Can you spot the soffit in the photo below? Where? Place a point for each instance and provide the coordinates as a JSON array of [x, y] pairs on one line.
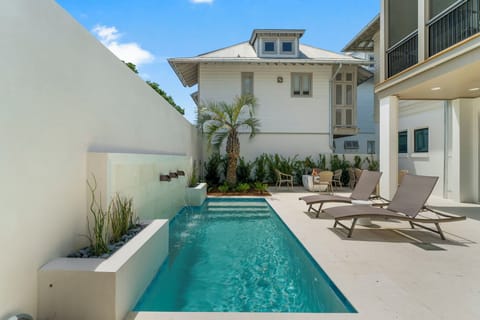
[[363, 41]]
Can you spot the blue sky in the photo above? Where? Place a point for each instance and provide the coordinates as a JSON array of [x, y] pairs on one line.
[[147, 32]]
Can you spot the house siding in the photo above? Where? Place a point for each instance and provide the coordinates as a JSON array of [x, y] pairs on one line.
[[289, 125]]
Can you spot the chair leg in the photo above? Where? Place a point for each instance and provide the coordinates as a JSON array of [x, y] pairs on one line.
[[352, 227], [319, 210]]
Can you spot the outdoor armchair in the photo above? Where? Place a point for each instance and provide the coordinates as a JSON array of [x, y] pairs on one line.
[[283, 178]]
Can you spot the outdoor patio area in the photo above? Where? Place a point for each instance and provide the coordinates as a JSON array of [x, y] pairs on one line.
[[387, 271], [391, 271]]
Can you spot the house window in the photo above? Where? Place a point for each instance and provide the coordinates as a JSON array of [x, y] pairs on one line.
[[247, 83], [403, 142], [420, 140], [350, 144], [344, 98], [269, 47], [371, 146], [301, 84], [287, 46]]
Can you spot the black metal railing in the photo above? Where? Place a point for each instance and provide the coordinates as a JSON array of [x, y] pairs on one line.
[[403, 54], [453, 25]]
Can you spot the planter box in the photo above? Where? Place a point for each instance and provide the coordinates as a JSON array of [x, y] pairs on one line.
[[197, 195], [103, 289]]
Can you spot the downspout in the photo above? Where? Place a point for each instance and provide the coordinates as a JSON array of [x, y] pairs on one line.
[[330, 105]]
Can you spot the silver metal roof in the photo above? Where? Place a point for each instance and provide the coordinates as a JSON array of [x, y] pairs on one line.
[[187, 68], [363, 41]]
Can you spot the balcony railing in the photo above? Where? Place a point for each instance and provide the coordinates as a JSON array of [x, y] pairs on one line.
[[453, 25], [403, 54]]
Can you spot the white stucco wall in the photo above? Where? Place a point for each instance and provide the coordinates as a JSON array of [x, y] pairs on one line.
[[424, 114], [63, 94], [289, 125]]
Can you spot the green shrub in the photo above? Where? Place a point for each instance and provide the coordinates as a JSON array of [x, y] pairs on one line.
[[243, 187], [357, 162], [121, 216], [373, 165], [244, 171], [223, 188], [285, 165], [101, 218], [212, 169], [260, 187], [337, 163], [260, 166]]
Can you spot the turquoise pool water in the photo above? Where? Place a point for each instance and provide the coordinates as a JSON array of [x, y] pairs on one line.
[[236, 255]]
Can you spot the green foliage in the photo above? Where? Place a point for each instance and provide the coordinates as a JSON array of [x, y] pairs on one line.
[[337, 163], [260, 187], [373, 165], [101, 218], [132, 66], [244, 171], [212, 169], [121, 216], [243, 187], [357, 162], [221, 120], [260, 168], [285, 165], [322, 162], [155, 86], [193, 178], [223, 188]]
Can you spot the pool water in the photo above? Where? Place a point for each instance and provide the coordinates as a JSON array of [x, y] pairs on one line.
[[232, 255]]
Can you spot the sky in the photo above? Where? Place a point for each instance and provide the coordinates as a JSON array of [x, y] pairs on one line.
[[148, 32]]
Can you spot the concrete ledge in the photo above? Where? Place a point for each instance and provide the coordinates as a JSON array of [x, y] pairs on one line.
[[196, 196], [77, 288]]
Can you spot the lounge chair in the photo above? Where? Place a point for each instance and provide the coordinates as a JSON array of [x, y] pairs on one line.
[[407, 203], [363, 191]]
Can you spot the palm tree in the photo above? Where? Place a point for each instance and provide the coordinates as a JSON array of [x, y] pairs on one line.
[[221, 120]]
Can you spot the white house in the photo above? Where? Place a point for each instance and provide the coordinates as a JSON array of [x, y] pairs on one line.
[[307, 96], [428, 56]]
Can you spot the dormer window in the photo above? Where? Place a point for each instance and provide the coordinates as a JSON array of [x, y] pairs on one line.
[[276, 43], [269, 47], [287, 47]]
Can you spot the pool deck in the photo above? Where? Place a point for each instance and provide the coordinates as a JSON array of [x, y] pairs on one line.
[[387, 271]]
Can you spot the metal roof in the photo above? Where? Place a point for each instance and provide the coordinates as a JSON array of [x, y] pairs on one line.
[[187, 68], [363, 41]]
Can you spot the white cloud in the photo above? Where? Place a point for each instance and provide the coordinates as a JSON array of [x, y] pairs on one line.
[[202, 1], [128, 52]]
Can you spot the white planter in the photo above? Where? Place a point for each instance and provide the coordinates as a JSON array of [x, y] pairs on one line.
[[103, 289], [197, 195]]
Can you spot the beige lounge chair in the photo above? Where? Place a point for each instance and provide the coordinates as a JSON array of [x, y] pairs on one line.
[[407, 203], [363, 191], [337, 178], [283, 178]]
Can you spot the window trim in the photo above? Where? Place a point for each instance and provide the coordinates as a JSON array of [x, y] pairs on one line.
[[406, 137], [343, 107], [243, 75], [371, 142], [275, 46], [354, 145], [415, 131], [286, 53], [310, 80]]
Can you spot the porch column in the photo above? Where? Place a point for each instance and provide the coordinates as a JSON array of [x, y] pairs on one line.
[[388, 146]]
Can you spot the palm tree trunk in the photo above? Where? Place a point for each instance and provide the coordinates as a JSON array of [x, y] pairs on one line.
[[233, 153]]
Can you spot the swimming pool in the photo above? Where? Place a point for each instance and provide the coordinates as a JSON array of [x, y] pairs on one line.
[[236, 255]]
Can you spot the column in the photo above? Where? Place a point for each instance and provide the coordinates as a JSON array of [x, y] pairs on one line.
[[388, 146]]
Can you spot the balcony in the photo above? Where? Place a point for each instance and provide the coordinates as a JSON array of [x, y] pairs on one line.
[[455, 24], [403, 54]]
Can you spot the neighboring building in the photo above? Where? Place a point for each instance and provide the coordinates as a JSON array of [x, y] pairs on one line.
[[366, 140], [306, 95], [428, 87]]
